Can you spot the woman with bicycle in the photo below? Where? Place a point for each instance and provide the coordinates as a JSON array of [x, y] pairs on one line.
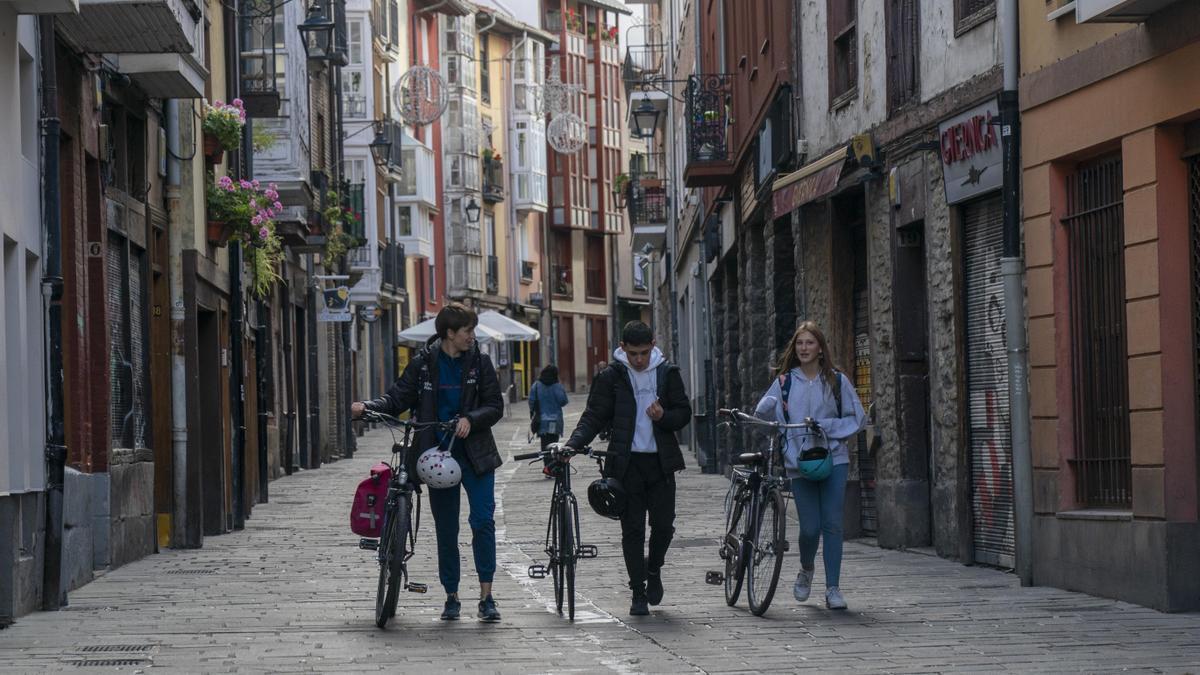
[[451, 379], [546, 400], [809, 387]]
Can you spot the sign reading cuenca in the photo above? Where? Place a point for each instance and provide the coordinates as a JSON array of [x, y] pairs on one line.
[[971, 154]]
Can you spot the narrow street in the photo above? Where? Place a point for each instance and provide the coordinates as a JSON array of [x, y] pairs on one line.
[[292, 593]]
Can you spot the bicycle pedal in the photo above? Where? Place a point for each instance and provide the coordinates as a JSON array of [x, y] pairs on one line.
[[721, 552], [538, 571], [587, 551], [414, 587], [368, 544], [714, 577]]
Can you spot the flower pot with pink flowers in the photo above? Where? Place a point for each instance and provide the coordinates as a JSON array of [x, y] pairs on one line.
[[222, 126]]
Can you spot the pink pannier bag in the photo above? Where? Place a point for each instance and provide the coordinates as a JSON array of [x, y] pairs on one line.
[[366, 517]]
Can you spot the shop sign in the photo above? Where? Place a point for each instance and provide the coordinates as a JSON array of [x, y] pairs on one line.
[[969, 146]]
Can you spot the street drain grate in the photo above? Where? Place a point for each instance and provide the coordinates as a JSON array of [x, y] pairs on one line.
[[115, 648], [206, 571], [93, 663]]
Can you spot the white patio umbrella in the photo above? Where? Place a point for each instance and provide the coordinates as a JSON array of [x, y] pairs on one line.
[[420, 333], [514, 331]]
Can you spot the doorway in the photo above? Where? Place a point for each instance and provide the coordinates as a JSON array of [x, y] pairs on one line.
[[912, 371]]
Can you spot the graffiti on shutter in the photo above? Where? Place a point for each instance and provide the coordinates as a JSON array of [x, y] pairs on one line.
[[987, 385]]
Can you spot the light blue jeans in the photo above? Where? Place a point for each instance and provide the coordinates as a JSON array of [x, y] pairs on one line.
[[820, 507]]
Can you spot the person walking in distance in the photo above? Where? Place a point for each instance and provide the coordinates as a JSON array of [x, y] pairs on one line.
[[546, 400], [641, 396], [808, 386], [448, 379]]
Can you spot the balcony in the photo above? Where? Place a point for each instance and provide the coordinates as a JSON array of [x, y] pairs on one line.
[[493, 274], [44, 6], [708, 100], [360, 258], [1117, 11], [493, 180], [400, 141], [355, 106], [417, 182], [391, 262], [561, 281], [135, 26], [527, 271]]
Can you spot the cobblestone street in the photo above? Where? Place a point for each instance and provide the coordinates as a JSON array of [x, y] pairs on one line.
[[292, 593]]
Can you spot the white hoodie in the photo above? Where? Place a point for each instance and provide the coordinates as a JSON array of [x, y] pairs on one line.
[[645, 392]]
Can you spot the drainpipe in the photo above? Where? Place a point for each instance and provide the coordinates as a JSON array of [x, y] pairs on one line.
[[237, 304], [1012, 268], [175, 245], [54, 592]]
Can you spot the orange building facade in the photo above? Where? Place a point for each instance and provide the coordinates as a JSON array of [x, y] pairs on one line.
[[1111, 202]]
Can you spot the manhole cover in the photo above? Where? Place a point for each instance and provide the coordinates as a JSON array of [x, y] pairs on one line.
[[93, 663], [115, 648]]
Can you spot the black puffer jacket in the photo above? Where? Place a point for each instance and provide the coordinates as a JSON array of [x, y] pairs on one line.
[[482, 403], [612, 401]]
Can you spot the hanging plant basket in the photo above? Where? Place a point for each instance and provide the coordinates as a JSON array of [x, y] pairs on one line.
[[218, 232], [213, 152]]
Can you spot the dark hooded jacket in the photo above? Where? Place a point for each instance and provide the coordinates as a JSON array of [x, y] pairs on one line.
[[612, 402], [482, 403]]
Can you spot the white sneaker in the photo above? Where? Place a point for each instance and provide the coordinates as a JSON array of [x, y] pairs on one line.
[[803, 586], [834, 599]]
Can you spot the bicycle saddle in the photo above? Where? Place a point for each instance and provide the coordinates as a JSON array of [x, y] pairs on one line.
[[749, 458]]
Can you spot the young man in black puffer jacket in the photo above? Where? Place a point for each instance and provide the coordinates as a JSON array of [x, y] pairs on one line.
[[640, 395], [450, 378]]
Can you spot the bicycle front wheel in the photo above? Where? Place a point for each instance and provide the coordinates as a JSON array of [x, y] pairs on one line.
[[731, 549], [766, 553], [391, 563], [566, 550], [555, 552]]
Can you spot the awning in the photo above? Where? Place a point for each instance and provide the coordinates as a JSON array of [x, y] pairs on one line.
[[419, 334], [811, 181], [511, 330]]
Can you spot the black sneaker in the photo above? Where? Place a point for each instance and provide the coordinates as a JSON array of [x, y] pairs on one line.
[[638, 607], [488, 611], [654, 588], [452, 609]]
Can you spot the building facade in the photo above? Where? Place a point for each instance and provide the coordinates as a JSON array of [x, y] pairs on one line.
[[1111, 216]]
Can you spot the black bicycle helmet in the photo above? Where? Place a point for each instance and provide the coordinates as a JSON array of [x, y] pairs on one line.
[[607, 497]]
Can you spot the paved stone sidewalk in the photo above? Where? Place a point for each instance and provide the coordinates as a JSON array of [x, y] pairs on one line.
[[291, 593]]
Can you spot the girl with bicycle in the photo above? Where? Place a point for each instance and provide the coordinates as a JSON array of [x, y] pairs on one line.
[[546, 400], [808, 386]]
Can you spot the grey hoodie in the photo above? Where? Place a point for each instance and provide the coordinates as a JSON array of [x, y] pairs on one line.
[[645, 392]]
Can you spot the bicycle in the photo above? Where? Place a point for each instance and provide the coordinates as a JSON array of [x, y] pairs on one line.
[[562, 529], [755, 521], [401, 520]]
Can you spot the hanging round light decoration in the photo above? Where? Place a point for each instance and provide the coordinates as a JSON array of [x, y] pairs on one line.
[[420, 95], [567, 133]]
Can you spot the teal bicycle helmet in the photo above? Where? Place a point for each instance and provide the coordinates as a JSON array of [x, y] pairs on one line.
[[815, 464]]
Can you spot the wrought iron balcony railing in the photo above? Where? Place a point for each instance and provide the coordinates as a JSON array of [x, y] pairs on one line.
[[493, 180], [561, 280], [708, 106], [648, 201], [493, 274]]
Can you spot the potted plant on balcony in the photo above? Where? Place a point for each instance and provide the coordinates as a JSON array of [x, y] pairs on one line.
[[223, 123], [244, 211], [574, 21], [342, 223]]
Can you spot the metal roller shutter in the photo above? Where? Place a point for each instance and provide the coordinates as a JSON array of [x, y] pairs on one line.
[[987, 385]]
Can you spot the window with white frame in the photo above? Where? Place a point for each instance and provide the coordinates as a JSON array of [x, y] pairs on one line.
[[356, 43], [404, 221]]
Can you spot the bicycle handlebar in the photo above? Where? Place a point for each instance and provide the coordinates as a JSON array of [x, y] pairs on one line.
[[376, 416], [739, 417], [557, 450]]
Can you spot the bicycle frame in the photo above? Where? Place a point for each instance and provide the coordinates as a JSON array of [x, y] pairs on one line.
[[752, 494], [562, 544]]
